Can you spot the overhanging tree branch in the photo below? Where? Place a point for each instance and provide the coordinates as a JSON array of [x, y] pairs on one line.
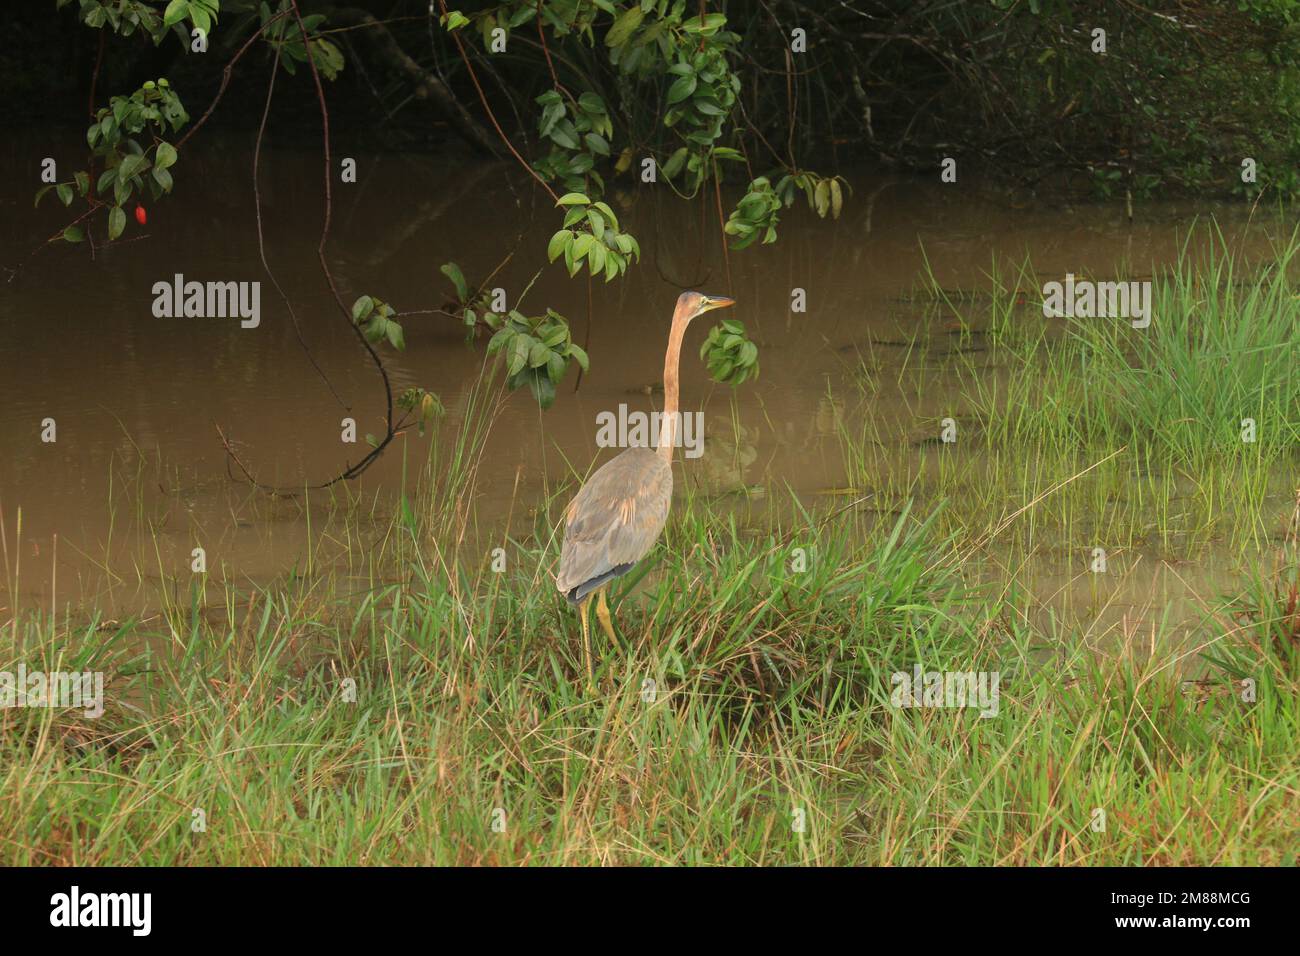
[[427, 86]]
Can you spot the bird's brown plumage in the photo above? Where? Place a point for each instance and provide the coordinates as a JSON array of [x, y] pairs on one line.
[[617, 516], [614, 520]]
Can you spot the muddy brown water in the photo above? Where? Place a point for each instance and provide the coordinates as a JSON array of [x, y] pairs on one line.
[[136, 399]]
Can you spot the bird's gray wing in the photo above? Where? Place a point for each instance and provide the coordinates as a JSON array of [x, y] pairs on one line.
[[615, 519]]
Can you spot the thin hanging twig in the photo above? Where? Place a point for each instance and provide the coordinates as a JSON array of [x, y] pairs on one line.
[[261, 241], [460, 48], [392, 430]]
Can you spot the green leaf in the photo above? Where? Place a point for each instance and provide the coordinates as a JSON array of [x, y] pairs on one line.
[[570, 262], [522, 15], [83, 182], [683, 87], [328, 57], [395, 337], [607, 213], [452, 272], [710, 25], [165, 156], [40, 194], [116, 222], [130, 165], [538, 354], [555, 248], [580, 355], [73, 234], [518, 355], [552, 114], [362, 308], [675, 162], [162, 178], [176, 11], [65, 193], [555, 366], [564, 134], [573, 199], [543, 390], [624, 26]]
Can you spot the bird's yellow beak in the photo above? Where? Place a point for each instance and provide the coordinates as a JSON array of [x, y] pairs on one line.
[[712, 302]]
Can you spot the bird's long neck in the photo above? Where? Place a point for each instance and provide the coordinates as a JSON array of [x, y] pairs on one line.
[[672, 359]]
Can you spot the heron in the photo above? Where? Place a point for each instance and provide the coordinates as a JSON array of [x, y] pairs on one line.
[[616, 517]]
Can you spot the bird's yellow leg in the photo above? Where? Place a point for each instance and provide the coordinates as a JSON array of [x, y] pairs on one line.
[[586, 637], [602, 612]]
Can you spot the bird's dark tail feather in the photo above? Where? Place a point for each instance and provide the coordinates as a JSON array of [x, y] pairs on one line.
[[577, 595]]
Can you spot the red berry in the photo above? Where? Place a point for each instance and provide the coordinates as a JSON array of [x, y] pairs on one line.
[[140, 215]]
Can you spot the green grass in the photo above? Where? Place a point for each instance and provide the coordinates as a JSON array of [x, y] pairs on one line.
[[1124, 438], [771, 695]]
